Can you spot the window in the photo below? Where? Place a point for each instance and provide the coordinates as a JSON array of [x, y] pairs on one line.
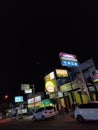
[[89, 105]]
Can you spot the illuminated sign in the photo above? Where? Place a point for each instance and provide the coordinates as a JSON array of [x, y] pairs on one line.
[[47, 102], [68, 59], [65, 87], [50, 86], [28, 90], [19, 99], [49, 76], [61, 73], [69, 63], [95, 78], [69, 86], [25, 86], [36, 99]]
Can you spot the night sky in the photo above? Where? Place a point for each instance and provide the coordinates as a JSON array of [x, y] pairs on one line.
[[32, 36]]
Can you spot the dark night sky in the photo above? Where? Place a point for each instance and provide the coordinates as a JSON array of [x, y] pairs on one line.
[[33, 35]]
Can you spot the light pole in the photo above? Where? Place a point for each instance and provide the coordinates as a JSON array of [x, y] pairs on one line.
[[33, 94]]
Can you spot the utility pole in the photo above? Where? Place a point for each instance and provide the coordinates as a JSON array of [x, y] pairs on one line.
[[84, 83], [33, 94], [70, 80]]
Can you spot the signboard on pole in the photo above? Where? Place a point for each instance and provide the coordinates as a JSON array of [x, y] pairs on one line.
[[25, 86], [68, 59]]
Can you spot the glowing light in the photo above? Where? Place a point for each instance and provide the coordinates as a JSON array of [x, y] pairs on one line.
[[6, 96]]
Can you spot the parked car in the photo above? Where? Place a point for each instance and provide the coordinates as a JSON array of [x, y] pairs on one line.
[[86, 112], [44, 113]]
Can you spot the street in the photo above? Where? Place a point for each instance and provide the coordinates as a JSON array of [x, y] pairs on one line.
[[51, 124]]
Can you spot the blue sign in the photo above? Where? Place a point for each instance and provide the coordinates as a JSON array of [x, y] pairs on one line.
[[68, 59], [19, 99], [69, 63]]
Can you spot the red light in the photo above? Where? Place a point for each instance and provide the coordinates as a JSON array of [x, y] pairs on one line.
[[6, 96]]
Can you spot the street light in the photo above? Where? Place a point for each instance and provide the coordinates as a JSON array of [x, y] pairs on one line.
[[6, 97]]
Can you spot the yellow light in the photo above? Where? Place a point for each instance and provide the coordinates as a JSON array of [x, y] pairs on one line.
[[50, 86]]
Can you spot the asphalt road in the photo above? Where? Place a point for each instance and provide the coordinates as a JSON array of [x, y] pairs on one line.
[[58, 123]]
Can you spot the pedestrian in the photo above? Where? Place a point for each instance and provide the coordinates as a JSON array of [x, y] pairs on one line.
[[63, 111]]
